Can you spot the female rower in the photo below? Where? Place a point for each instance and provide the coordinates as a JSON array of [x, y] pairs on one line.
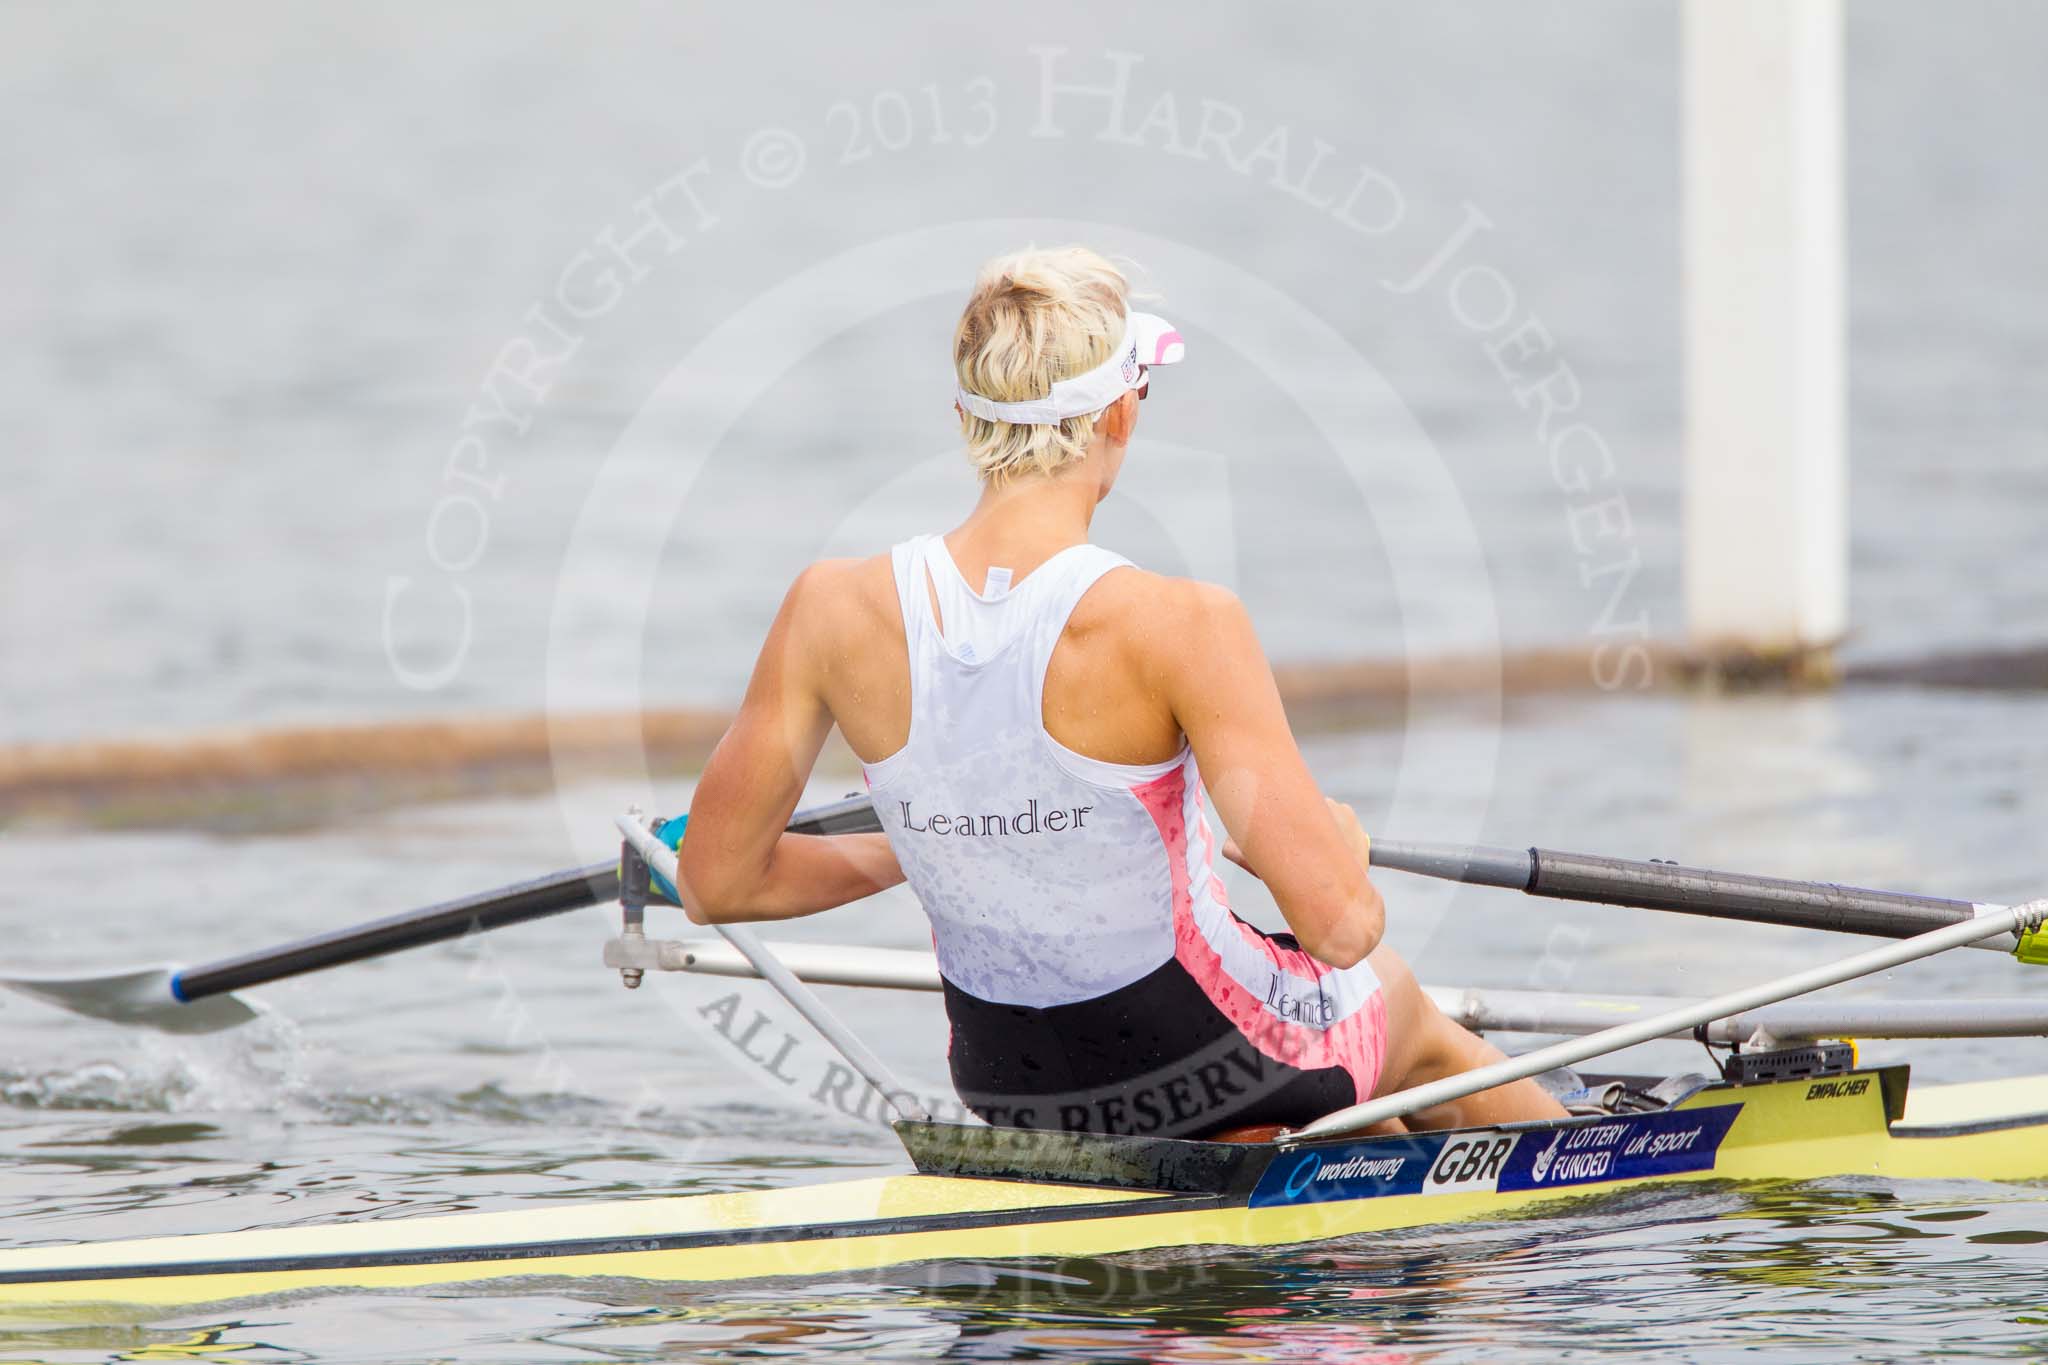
[[1043, 726]]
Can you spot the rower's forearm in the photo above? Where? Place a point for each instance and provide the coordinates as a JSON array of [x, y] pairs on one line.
[[803, 874], [1348, 933]]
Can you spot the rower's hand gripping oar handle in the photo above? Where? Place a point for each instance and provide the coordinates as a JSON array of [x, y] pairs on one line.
[[853, 814]]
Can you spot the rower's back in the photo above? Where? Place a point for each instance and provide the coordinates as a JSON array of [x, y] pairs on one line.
[[993, 820], [1095, 976]]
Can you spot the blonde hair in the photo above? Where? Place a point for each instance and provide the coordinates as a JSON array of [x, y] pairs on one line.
[[1036, 316]]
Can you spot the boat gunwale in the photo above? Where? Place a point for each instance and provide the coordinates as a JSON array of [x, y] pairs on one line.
[[895, 1225]]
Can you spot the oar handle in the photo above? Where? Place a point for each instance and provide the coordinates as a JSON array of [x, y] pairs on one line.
[[1473, 864], [555, 894]]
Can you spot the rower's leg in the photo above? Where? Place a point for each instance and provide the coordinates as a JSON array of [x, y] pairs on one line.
[[1424, 1044]]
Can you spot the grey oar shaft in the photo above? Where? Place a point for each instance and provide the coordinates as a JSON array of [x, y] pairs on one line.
[[872, 1069], [1573, 1051], [1649, 885]]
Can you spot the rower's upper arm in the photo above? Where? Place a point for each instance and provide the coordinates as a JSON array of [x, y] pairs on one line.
[[756, 775], [1210, 667]]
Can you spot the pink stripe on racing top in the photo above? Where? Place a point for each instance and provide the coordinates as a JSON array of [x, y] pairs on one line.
[[1356, 1042]]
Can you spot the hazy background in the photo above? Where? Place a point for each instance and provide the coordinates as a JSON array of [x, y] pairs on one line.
[[256, 266]]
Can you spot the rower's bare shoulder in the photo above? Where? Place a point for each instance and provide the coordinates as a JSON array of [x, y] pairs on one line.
[[1170, 621], [834, 597], [1164, 600], [841, 579]]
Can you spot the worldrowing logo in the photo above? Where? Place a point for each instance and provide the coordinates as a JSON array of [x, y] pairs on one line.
[[1383, 1169]]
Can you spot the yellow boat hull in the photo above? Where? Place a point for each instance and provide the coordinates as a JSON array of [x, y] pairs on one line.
[[1793, 1130]]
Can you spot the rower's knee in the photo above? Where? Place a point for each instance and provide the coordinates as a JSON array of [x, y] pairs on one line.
[[1397, 982], [1423, 1043], [1410, 1011], [1408, 1017]]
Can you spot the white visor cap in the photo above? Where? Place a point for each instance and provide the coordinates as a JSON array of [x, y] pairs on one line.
[[1148, 340]]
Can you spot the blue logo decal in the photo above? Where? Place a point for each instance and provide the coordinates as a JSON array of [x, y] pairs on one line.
[[1352, 1170], [1304, 1171], [1626, 1147], [1621, 1149]]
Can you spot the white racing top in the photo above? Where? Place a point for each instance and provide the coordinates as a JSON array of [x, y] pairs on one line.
[[1051, 877]]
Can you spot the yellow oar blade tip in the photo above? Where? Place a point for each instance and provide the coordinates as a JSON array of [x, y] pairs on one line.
[[2032, 935]]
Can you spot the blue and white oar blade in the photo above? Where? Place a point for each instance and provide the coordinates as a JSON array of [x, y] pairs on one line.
[[140, 995]]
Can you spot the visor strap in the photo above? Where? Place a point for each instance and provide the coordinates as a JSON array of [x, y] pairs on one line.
[[1089, 392]]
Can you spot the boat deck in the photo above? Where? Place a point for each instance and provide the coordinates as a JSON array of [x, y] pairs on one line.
[[1965, 1104]]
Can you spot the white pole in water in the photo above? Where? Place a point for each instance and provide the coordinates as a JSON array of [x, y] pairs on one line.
[[771, 970], [1766, 539], [2015, 919]]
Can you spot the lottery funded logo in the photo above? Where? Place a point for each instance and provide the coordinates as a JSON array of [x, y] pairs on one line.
[[1631, 1148]]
